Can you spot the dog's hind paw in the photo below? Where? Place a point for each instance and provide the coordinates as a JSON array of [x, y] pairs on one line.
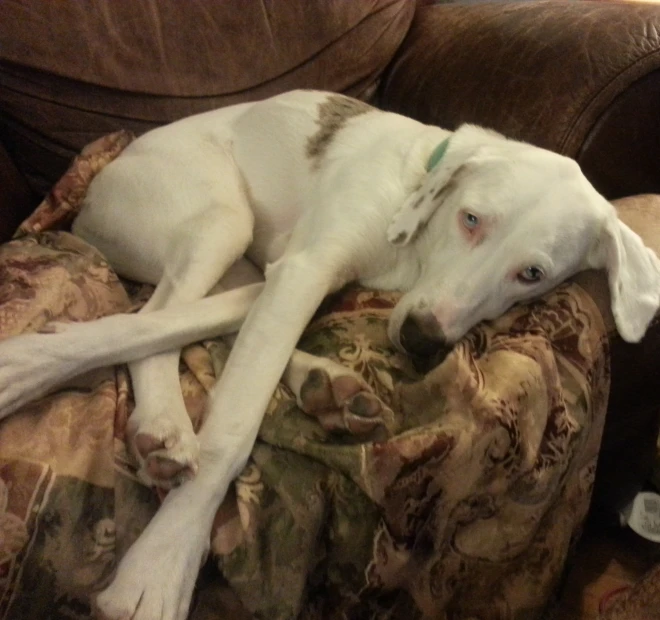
[[341, 402], [167, 454]]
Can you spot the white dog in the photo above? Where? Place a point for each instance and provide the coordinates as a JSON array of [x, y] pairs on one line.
[[316, 190]]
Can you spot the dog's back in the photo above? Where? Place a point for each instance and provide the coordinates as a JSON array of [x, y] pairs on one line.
[[280, 154]]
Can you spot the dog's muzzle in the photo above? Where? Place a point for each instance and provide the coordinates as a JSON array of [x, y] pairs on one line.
[[421, 335]]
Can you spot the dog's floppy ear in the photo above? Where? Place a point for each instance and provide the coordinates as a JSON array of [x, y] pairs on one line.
[[420, 206], [633, 272], [443, 171]]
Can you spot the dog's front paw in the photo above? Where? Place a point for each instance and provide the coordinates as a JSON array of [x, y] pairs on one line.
[[156, 578], [342, 402], [167, 451]]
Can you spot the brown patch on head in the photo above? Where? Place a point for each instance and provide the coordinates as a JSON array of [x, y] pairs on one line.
[[400, 238], [417, 230], [446, 189], [334, 112], [437, 197]]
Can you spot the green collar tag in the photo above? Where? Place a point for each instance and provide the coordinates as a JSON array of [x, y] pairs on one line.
[[437, 155]]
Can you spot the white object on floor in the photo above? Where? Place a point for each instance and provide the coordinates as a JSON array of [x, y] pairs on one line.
[[642, 515]]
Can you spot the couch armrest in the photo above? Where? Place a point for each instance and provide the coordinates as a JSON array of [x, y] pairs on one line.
[[16, 200], [633, 418], [580, 78]]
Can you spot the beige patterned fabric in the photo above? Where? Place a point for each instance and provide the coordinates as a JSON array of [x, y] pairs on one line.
[[463, 503]]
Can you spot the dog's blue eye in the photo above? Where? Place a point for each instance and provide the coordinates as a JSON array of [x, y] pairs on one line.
[[470, 220], [531, 274]]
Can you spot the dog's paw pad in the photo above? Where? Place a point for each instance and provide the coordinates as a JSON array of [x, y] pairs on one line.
[[345, 386], [166, 459], [146, 444], [342, 403], [316, 391], [365, 405], [168, 471]]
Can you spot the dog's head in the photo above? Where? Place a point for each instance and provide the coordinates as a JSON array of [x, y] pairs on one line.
[[497, 222]]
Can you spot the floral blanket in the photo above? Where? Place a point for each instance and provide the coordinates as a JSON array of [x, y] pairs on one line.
[[462, 504]]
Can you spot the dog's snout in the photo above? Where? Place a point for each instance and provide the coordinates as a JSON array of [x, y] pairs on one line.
[[421, 334]]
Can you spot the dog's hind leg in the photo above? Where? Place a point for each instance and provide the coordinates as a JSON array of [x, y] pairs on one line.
[[159, 429]]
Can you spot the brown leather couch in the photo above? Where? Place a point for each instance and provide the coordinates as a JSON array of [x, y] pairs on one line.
[[579, 77]]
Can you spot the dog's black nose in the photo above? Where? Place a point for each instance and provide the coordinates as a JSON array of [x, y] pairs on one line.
[[420, 338]]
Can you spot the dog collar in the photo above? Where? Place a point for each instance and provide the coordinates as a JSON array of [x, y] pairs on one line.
[[437, 155]]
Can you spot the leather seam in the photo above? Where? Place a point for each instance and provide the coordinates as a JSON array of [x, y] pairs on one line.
[[592, 104]]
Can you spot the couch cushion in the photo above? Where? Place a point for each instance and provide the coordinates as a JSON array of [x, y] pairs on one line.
[[71, 72]]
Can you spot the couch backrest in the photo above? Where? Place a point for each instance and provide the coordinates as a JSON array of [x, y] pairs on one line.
[[71, 71]]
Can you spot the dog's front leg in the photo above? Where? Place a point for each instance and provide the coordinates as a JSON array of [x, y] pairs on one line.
[[155, 579]]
